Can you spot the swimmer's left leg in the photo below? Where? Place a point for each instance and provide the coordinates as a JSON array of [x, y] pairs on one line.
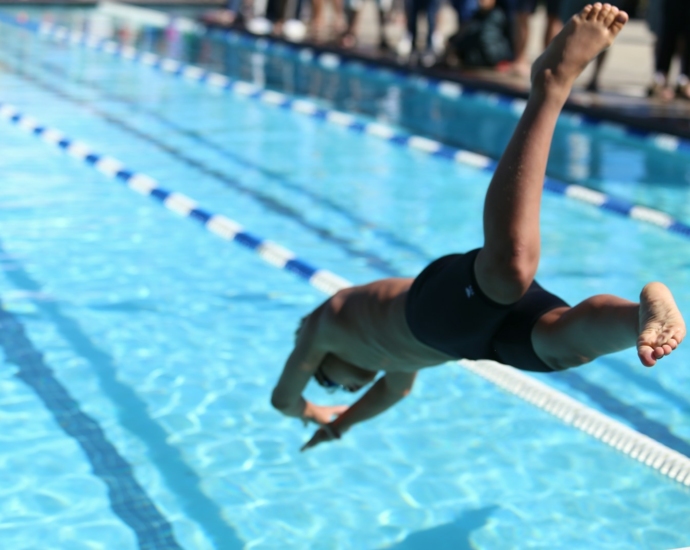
[[569, 337]]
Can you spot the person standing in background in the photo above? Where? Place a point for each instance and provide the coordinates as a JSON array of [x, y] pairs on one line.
[[353, 9], [524, 10], [674, 25], [407, 47]]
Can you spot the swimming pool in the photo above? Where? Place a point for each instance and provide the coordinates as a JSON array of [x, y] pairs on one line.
[[152, 426]]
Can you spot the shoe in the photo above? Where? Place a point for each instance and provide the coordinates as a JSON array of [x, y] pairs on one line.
[[428, 59], [404, 48], [438, 43], [683, 91], [658, 90]]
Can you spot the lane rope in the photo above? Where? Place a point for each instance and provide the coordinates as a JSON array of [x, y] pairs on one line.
[[644, 449], [444, 88], [355, 124]]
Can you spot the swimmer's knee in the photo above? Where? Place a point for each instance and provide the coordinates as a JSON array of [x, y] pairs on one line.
[[556, 354], [507, 276], [553, 344]]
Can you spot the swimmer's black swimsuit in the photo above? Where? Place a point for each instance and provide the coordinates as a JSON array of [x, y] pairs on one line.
[[447, 311]]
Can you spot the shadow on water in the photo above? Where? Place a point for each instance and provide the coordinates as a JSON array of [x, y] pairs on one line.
[[450, 536]]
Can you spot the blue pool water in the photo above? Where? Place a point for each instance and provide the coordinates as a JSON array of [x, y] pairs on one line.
[[140, 350]]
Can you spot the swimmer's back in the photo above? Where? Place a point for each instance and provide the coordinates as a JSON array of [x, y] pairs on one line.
[[370, 329]]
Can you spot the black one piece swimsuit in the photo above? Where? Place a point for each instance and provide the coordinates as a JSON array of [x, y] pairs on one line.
[[447, 311]]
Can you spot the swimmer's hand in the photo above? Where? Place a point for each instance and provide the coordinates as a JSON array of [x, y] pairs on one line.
[[320, 414], [327, 432]]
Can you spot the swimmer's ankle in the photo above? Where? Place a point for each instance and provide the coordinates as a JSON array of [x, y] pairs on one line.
[[547, 89]]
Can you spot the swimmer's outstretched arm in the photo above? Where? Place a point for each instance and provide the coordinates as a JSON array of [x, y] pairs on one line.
[[386, 392], [310, 350]]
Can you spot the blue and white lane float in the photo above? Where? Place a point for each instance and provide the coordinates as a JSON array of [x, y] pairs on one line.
[[615, 434], [444, 88], [221, 82]]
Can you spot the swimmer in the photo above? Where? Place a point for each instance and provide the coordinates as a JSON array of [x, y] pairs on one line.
[[483, 304]]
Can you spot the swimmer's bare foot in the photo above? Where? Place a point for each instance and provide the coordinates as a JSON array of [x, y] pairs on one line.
[[581, 40], [662, 327]]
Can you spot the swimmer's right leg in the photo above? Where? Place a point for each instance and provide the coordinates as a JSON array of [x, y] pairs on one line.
[[569, 337], [506, 265]]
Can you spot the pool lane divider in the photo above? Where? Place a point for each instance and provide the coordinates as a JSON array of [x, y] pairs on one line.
[[355, 124], [444, 88], [226, 228], [619, 436]]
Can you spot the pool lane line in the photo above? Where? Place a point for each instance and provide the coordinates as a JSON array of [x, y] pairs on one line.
[[182, 482], [128, 499], [434, 148], [615, 434]]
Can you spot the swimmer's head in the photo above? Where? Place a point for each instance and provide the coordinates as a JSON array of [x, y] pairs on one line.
[[487, 5], [335, 374]]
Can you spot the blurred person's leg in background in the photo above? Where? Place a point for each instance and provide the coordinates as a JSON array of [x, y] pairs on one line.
[[673, 18], [413, 8], [275, 13], [524, 11], [316, 24], [509, 7], [431, 50], [385, 9], [352, 9], [463, 9], [683, 85]]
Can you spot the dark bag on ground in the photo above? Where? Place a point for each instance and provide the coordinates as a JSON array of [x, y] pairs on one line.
[[483, 40]]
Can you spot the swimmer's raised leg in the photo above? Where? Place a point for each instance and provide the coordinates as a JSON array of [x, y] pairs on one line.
[[506, 265], [568, 337]]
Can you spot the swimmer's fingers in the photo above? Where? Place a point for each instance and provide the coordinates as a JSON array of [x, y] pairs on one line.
[[323, 434], [323, 415]]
